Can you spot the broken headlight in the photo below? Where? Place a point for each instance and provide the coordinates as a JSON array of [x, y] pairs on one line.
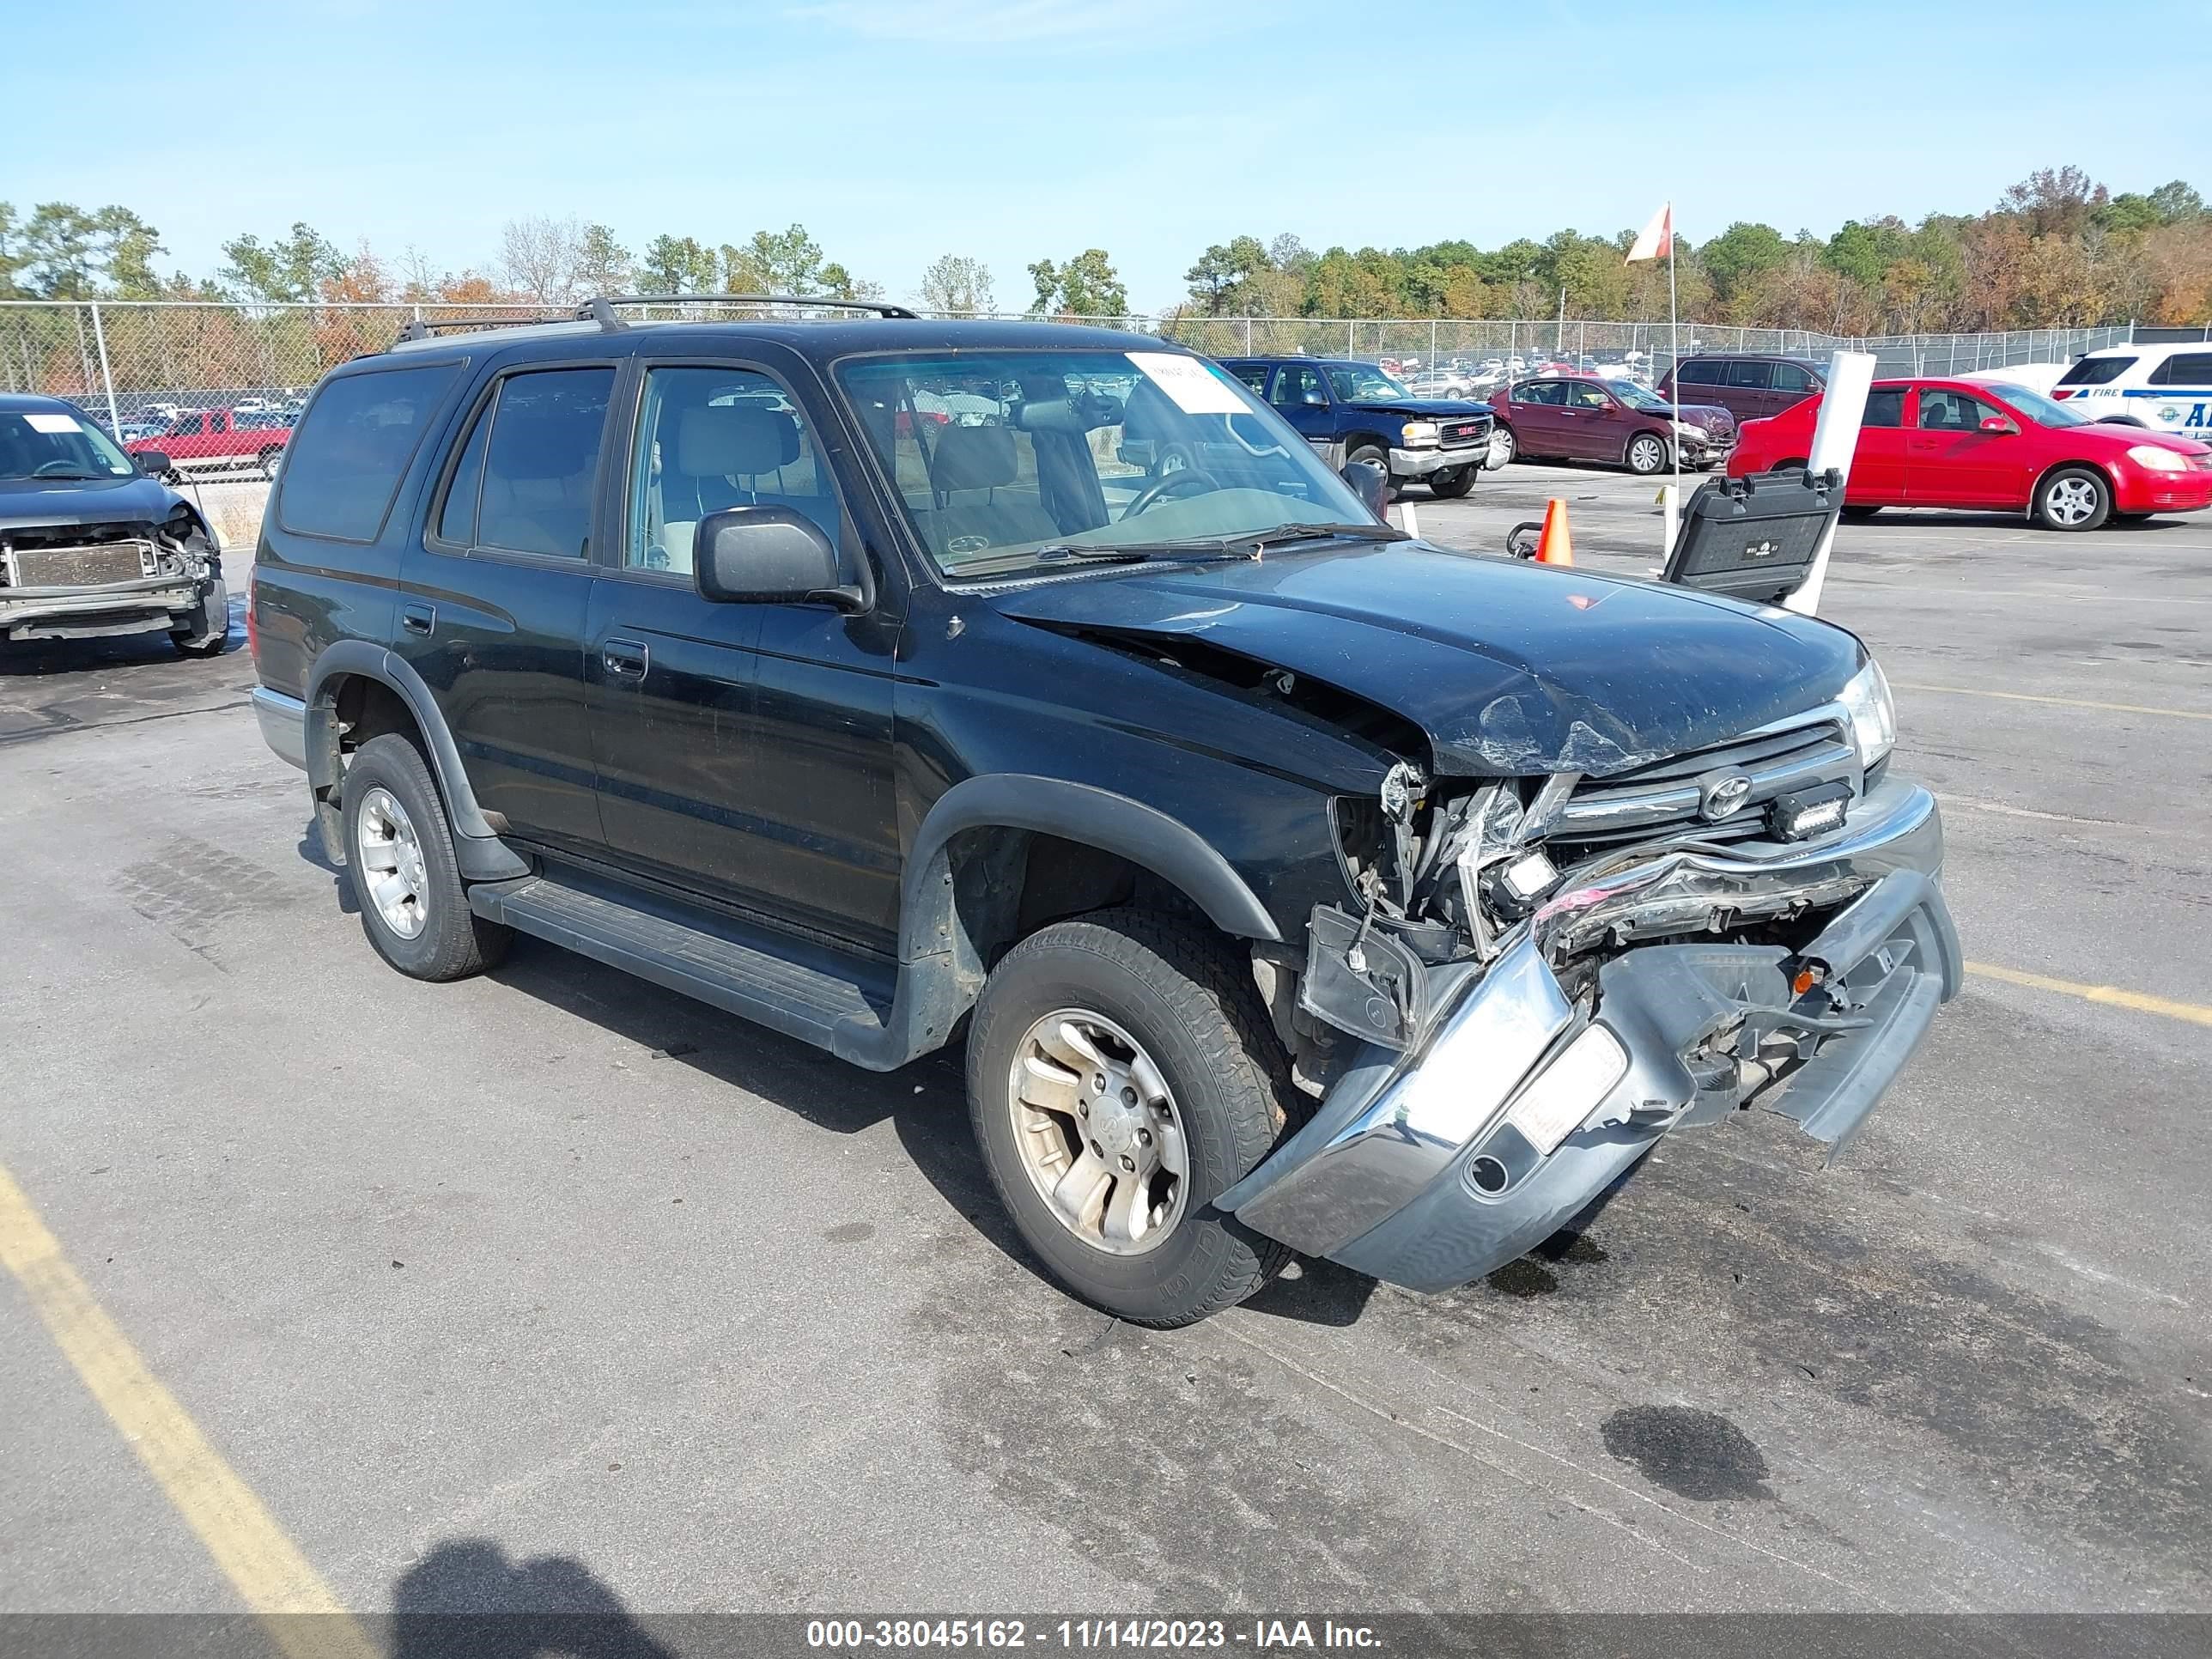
[[1874, 715]]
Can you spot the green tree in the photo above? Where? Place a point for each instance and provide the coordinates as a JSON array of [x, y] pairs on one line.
[[678, 265], [1225, 278], [955, 282], [1086, 286], [292, 269], [603, 266], [1740, 253], [63, 252], [2174, 202]]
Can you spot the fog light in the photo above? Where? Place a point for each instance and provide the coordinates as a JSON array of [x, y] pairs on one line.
[[1569, 1089], [1809, 812], [1527, 877]]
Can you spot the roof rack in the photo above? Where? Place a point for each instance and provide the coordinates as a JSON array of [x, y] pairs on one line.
[[416, 328], [601, 309]]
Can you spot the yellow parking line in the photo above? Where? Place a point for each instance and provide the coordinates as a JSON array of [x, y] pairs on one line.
[[265, 1567], [2067, 702], [2194, 1012]]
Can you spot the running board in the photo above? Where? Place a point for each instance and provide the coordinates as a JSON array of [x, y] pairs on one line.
[[696, 956]]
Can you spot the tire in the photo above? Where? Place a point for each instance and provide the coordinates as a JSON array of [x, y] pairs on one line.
[[2073, 498], [1646, 455], [1380, 458], [271, 459], [1504, 448], [389, 775], [1170, 992], [1859, 514], [211, 632], [1450, 485]]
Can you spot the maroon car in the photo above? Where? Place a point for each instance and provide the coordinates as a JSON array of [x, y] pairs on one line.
[[1752, 385], [1577, 418]]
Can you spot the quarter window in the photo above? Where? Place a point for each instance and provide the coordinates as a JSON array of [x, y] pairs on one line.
[[541, 460], [344, 464], [712, 439], [457, 519]]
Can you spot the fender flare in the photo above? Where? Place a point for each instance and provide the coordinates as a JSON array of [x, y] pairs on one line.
[[477, 846], [1078, 812]]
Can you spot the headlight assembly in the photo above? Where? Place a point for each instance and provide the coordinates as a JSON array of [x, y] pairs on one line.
[[2151, 457], [1873, 715], [1417, 431]]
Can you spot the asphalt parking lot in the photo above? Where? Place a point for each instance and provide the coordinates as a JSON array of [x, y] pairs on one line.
[[550, 1283]]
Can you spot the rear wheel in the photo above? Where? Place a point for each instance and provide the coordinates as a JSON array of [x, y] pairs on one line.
[[1504, 448], [1122, 1076], [1450, 485], [211, 631], [399, 853], [271, 458], [1647, 454], [2073, 498]]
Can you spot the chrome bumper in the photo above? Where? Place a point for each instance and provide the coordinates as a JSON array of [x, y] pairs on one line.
[[283, 724], [1413, 1169], [1420, 463]]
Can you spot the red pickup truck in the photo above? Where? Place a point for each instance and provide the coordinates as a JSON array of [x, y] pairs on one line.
[[214, 439]]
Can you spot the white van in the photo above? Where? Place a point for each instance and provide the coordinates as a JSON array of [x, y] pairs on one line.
[[2167, 388]]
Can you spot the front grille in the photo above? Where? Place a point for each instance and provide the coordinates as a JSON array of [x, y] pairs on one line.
[[1663, 798], [99, 565], [1456, 434]]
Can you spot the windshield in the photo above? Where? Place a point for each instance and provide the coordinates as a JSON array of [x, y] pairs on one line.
[[2038, 408], [1634, 395], [1356, 383], [52, 443], [1004, 460]]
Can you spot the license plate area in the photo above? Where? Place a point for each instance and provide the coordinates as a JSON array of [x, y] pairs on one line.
[[99, 564]]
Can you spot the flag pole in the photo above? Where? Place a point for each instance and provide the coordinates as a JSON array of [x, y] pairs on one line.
[[1675, 346]]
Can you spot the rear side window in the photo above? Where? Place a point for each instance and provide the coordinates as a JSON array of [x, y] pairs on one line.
[[1252, 374], [2097, 371], [1788, 377], [1751, 376], [1540, 391], [344, 464], [541, 460], [1701, 373], [2183, 368], [1885, 408]]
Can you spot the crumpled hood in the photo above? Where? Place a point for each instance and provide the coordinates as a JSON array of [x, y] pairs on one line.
[[1711, 416], [1509, 668], [28, 503]]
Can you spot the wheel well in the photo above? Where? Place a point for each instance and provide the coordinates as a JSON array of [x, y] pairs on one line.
[[1007, 884], [368, 708], [1358, 440], [2112, 489]]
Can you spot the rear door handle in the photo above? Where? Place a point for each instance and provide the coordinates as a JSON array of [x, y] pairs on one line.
[[625, 659], [418, 618]]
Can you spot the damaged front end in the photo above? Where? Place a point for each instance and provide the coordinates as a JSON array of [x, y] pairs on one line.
[[93, 580], [1544, 976]]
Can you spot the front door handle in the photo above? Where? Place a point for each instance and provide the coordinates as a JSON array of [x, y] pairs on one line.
[[418, 618], [625, 659]]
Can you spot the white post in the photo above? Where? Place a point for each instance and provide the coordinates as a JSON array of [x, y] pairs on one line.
[[1835, 438], [1674, 345], [1670, 521], [106, 379]]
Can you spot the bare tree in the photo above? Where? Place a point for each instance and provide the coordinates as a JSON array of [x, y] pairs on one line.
[[955, 282], [542, 258]]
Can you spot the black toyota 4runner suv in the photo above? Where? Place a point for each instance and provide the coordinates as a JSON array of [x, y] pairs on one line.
[[1294, 886]]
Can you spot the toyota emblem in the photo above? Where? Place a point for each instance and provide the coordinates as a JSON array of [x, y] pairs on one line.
[[1720, 794]]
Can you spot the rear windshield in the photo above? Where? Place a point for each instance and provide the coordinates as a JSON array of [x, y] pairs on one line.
[[344, 465], [2096, 371]]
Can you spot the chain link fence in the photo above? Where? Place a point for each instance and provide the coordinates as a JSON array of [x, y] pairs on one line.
[[137, 365]]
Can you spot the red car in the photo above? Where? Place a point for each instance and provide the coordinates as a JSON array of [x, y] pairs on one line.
[[1578, 417], [1964, 444], [215, 439]]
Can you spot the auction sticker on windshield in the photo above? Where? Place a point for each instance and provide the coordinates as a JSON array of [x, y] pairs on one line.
[[46, 421], [1195, 389]]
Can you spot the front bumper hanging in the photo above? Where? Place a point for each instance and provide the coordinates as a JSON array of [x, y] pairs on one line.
[[1429, 1167]]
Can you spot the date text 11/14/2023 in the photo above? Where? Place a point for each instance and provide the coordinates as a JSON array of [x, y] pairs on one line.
[[995, 1636]]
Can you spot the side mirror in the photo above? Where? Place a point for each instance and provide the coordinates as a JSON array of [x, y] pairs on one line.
[[767, 555], [1314, 400], [1369, 482], [152, 463], [1998, 423]]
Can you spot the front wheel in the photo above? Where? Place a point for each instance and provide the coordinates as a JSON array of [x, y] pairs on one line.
[[1380, 458], [1647, 454], [211, 631], [1450, 485], [2073, 498], [1503, 448], [1122, 1076], [271, 459]]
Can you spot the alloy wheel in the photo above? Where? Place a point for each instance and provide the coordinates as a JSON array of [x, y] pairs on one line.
[[2069, 501], [389, 857], [1098, 1132]]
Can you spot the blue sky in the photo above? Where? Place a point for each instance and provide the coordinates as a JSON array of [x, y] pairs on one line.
[[1011, 130]]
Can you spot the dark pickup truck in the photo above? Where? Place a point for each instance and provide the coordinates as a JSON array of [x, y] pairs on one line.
[[1291, 884], [1353, 411]]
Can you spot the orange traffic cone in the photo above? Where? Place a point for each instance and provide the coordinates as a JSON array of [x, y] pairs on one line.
[[1555, 546]]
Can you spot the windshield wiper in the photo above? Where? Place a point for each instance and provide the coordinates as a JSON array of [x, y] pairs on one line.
[[1138, 552], [62, 478], [1283, 534]]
